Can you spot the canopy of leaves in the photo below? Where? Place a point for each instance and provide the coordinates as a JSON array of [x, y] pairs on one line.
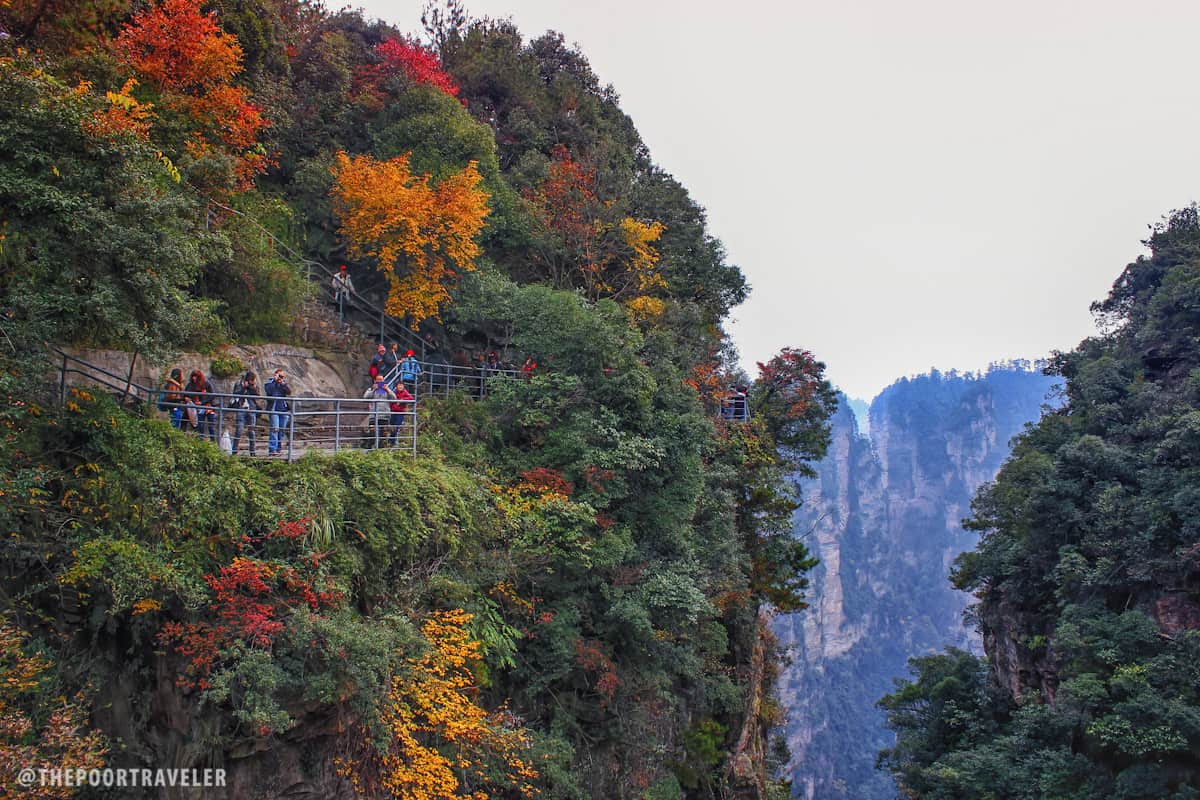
[[65, 181], [421, 236], [1087, 569], [182, 53], [562, 594]]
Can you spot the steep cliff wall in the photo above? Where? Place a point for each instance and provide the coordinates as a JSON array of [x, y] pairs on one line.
[[884, 517]]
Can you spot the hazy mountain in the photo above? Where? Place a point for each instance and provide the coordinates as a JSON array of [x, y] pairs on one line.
[[884, 517]]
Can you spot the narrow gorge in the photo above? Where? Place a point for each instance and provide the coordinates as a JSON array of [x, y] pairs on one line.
[[883, 515]]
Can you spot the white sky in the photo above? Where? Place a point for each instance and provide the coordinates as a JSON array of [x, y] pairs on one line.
[[905, 185]]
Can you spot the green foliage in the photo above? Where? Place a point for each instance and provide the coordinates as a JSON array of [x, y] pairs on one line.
[[260, 288], [100, 246], [588, 517], [226, 366], [1088, 550]]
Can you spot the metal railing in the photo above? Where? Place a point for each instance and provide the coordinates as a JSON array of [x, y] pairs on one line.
[[308, 423], [389, 326], [735, 407], [439, 378], [442, 380]]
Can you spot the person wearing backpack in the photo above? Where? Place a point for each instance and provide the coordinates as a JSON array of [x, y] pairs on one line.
[[410, 372], [246, 404], [277, 391], [171, 397], [376, 366]]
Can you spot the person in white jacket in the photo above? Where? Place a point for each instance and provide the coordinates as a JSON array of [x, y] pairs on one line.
[[380, 410]]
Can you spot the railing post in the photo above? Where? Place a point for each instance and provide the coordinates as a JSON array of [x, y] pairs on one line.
[[337, 425], [375, 416], [292, 427], [220, 421], [413, 405]]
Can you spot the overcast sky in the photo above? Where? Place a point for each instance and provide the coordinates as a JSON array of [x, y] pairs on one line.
[[905, 185]]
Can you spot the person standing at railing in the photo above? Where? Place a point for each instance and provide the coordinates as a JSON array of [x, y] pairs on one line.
[[277, 391], [172, 397], [399, 409], [380, 410], [410, 372], [245, 400], [343, 287], [203, 413], [481, 376], [527, 368], [391, 358], [376, 366]]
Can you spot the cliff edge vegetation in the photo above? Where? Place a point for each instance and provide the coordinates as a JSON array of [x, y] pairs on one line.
[[1087, 575], [563, 594]]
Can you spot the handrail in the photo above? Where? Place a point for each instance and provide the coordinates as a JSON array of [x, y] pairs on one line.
[[389, 326], [328, 423], [446, 378], [396, 328]]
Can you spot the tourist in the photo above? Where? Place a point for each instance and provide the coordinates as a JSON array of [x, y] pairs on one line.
[[202, 410], [398, 408], [343, 287], [391, 359], [410, 372], [245, 400], [277, 391], [376, 367], [380, 409], [171, 399]]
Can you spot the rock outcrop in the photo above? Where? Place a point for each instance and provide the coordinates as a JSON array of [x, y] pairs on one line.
[[310, 374]]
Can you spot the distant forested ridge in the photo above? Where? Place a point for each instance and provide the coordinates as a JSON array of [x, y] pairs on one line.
[[565, 594], [883, 515], [1087, 575]]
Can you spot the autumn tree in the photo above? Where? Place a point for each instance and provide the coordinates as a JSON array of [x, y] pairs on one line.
[[407, 60], [38, 735], [183, 55], [795, 401], [420, 235], [441, 743], [588, 244], [788, 430]]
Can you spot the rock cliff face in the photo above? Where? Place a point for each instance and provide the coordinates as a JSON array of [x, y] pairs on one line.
[[884, 517]]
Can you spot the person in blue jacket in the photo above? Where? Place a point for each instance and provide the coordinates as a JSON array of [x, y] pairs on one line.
[[410, 372], [278, 391]]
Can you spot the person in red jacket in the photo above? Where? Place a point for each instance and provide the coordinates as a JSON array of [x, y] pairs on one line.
[[202, 409], [377, 360], [402, 405]]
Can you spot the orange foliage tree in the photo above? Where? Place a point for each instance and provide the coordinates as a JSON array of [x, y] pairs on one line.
[[61, 743], [420, 235], [441, 743], [588, 245], [182, 52]]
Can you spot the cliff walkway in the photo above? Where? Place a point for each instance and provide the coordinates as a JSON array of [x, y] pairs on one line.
[[322, 424]]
